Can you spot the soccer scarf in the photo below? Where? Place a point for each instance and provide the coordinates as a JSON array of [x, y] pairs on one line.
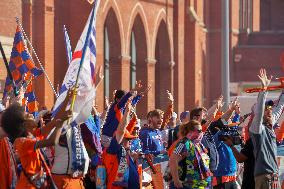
[[122, 175], [79, 160]]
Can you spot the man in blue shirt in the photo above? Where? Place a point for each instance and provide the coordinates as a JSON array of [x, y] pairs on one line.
[[151, 136]]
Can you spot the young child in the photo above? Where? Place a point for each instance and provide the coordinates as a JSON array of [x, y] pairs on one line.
[[22, 130]]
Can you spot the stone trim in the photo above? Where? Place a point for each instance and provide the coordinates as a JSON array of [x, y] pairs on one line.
[[151, 61], [194, 18], [27, 1], [172, 64], [125, 57]]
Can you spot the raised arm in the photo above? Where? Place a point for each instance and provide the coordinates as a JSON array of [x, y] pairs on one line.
[[57, 124], [133, 92], [278, 109], [119, 134], [256, 125], [212, 112], [229, 113], [169, 112], [45, 130]]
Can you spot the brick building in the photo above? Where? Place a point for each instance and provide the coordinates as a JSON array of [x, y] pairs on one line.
[[170, 44]]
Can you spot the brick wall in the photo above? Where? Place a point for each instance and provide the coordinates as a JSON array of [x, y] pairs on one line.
[[185, 59], [8, 11]]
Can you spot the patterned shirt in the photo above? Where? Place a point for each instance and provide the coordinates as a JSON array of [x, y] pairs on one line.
[[194, 167]]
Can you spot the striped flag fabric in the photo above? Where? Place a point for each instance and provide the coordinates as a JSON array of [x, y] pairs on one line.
[[83, 59], [67, 45]]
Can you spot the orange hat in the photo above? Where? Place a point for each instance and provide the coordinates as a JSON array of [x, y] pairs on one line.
[[218, 115], [129, 130], [128, 135], [233, 124]]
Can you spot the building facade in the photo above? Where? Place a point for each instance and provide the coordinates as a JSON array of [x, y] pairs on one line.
[[169, 44]]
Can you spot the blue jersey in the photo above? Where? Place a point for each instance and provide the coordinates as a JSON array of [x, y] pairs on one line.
[[151, 140]]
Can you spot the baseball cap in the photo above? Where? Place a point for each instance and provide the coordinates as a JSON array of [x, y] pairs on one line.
[[183, 115]]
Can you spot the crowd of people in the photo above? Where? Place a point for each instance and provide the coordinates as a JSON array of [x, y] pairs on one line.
[[204, 147]]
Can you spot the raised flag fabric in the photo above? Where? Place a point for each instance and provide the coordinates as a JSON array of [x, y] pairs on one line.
[[83, 62], [67, 45], [31, 102], [20, 63]]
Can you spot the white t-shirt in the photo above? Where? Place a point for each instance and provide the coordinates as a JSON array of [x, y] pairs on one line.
[[63, 157]]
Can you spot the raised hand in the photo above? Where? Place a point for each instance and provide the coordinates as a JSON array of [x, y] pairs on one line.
[[107, 103], [145, 91], [220, 102], [99, 76], [128, 106], [264, 79], [19, 98], [170, 96], [138, 87], [235, 104], [62, 114]]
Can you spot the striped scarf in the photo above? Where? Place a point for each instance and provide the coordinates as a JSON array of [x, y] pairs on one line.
[[122, 176]]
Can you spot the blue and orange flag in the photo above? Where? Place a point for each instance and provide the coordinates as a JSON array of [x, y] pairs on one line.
[[30, 98], [23, 70]]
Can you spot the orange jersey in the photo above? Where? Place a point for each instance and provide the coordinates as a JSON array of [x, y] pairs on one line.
[[30, 160], [5, 165]]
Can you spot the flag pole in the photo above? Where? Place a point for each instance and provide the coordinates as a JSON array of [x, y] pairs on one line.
[[83, 55], [16, 92], [41, 66]]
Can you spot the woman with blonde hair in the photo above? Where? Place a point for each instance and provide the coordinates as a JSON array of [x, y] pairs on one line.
[[189, 162]]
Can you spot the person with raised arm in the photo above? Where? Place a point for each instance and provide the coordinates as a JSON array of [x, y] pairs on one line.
[[120, 167], [264, 138], [22, 130]]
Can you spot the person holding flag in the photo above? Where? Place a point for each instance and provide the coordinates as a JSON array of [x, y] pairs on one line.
[[27, 139], [71, 159]]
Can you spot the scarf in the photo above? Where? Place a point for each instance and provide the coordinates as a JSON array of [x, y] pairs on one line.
[[201, 156], [79, 157], [203, 166], [122, 175]]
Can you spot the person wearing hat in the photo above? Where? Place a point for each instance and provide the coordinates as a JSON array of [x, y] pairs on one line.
[[136, 143], [120, 167], [266, 172]]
